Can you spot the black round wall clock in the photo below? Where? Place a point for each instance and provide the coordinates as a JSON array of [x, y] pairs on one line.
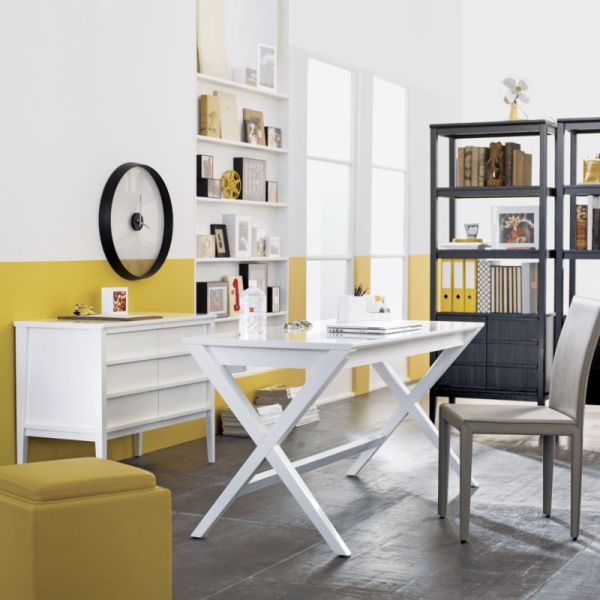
[[136, 221]]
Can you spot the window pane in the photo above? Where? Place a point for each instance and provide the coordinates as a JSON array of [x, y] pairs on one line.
[[389, 124], [387, 279], [387, 212], [329, 110], [325, 281], [327, 208]]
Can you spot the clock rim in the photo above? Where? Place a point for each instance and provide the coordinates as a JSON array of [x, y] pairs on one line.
[[105, 225]]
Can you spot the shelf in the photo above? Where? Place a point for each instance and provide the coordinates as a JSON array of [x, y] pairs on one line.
[[583, 189], [281, 313], [492, 315], [236, 259], [241, 86], [494, 253], [581, 125], [582, 254], [493, 129], [530, 191], [204, 200], [223, 142]]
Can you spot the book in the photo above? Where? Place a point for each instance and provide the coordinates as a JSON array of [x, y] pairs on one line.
[[595, 222], [516, 167], [483, 154], [230, 128], [526, 173], [210, 116], [484, 286], [475, 166], [269, 415], [282, 395], [581, 226], [460, 168], [468, 152], [464, 246], [509, 148]]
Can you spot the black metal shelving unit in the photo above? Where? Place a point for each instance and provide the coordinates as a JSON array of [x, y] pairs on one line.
[[509, 357], [573, 128]]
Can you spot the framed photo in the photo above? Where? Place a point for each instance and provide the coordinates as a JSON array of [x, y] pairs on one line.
[[515, 226], [273, 135], [239, 234], [259, 241], [251, 76], [221, 241], [235, 286], [272, 191], [205, 246], [273, 303], [258, 272], [204, 166], [254, 126], [274, 246], [212, 297], [115, 301], [208, 188], [267, 66], [253, 173]]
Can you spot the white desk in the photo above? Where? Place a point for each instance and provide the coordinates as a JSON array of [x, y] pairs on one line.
[[324, 356]]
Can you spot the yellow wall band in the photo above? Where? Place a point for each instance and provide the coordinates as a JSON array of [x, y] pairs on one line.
[[362, 275], [418, 306]]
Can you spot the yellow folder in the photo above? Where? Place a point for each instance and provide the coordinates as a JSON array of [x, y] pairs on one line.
[[458, 285], [445, 285], [471, 285]]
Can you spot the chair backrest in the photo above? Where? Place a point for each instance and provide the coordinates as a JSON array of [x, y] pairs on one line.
[[573, 358]]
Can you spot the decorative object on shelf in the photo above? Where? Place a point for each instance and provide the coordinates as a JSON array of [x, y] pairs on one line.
[[515, 226], [271, 195], [267, 66], [210, 116], [134, 248], [495, 165], [587, 223], [208, 188], [273, 136], [591, 170], [212, 297], [205, 246], [221, 240], [230, 129], [254, 126], [235, 286], [83, 310], [239, 229], [472, 229], [210, 29], [273, 295], [274, 246], [484, 286], [259, 241], [115, 301], [359, 290], [231, 184], [581, 224], [251, 76], [258, 272], [297, 326], [204, 166], [253, 173], [515, 93]]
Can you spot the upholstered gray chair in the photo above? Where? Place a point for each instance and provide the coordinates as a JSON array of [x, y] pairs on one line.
[[563, 416]]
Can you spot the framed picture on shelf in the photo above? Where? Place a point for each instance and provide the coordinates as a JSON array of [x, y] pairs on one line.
[[251, 76], [273, 136], [253, 173], [272, 191], [219, 232], [258, 272], [235, 286], [239, 232], [212, 297], [115, 301], [273, 303], [205, 246], [267, 66], [208, 188], [254, 126], [259, 241], [274, 246], [515, 226], [204, 166]]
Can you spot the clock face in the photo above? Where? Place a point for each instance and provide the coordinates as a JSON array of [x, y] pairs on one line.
[[136, 221]]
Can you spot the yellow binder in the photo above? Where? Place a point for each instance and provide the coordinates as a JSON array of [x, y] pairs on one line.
[[446, 285], [458, 285], [471, 285]]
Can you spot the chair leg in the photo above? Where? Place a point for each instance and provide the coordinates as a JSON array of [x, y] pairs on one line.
[[548, 460], [443, 467], [466, 457], [576, 468]]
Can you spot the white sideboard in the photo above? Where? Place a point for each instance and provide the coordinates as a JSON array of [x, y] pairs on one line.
[[95, 381]]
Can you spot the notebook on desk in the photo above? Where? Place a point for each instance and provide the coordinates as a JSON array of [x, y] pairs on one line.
[[373, 327]]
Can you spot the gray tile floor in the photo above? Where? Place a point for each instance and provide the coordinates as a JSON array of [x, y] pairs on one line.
[[266, 548]]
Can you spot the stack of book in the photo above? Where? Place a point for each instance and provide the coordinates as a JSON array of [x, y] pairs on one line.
[[587, 223], [231, 425], [283, 395], [472, 166], [465, 244], [514, 289]]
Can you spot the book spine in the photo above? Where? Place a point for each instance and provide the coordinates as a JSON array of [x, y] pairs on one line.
[[526, 169], [596, 224], [468, 153], [509, 147], [460, 168], [581, 217], [483, 157], [474, 166]]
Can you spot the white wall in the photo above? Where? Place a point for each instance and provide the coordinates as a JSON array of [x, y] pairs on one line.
[[85, 87]]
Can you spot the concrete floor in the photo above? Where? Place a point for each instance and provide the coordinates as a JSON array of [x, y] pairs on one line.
[[266, 548]]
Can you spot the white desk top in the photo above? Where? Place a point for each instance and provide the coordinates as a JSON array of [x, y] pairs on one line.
[[318, 339]]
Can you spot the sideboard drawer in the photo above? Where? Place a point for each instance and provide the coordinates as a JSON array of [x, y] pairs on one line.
[[127, 410], [183, 398], [169, 339], [178, 368], [126, 377], [130, 345]]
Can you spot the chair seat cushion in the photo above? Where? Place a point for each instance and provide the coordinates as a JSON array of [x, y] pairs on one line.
[[493, 414], [72, 478]]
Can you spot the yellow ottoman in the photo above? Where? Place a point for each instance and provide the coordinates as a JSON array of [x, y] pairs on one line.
[[83, 529]]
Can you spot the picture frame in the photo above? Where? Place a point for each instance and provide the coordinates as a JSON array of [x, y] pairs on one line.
[[239, 234], [204, 166], [274, 246], [221, 240], [259, 241], [205, 246], [208, 188], [271, 194], [251, 76], [515, 226], [273, 299], [273, 137], [267, 67], [253, 173], [235, 287], [212, 297], [258, 272], [254, 127], [115, 301]]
